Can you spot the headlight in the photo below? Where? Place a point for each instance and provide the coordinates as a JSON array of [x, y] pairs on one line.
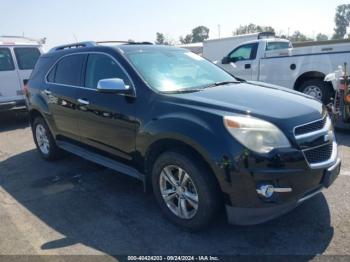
[[255, 134]]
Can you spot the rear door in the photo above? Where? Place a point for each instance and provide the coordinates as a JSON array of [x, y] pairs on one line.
[[106, 120], [26, 58], [61, 89], [10, 87]]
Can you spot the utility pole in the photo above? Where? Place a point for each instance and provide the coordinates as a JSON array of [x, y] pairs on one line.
[[219, 30]]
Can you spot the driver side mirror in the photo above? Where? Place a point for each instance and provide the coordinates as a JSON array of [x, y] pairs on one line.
[[235, 59], [225, 60], [113, 85]]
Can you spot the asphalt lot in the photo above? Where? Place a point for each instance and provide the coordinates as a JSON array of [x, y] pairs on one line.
[[75, 207]]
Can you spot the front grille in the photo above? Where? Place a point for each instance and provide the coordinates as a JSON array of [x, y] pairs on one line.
[[319, 154], [311, 127]]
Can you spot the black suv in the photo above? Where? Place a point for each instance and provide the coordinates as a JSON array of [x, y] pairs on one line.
[[198, 137]]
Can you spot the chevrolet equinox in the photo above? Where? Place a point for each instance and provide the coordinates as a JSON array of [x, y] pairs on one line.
[[195, 135]]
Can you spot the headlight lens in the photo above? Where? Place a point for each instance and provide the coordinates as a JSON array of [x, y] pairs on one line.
[[255, 134]]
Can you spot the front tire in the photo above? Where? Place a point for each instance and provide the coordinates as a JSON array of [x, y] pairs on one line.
[[186, 192], [317, 89], [44, 140]]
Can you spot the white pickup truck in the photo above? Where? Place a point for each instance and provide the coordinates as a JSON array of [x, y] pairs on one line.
[[274, 60]]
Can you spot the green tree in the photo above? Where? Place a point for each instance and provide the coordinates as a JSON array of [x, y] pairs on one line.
[[342, 19], [252, 28], [160, 39], [187, 39], [321, 37], [199, 34], [299, 37], [163, 40]]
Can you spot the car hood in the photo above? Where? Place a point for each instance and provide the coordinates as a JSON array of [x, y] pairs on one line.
[[269, 102]]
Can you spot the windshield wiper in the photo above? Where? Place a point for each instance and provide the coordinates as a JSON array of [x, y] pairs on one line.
[[222, 83], [183, 90], [191, 90]]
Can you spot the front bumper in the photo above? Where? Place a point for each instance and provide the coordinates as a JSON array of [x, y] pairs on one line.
[[268, 211]]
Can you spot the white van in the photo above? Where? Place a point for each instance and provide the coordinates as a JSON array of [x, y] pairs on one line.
[[18, 56]]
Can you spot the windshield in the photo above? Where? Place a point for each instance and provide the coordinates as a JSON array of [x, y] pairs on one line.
[[173, 70]]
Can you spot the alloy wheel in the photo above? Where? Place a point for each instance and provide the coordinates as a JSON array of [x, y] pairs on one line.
[[42, 139], [179, 192]]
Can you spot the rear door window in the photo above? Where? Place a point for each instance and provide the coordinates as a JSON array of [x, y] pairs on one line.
[[277, 46], [68, 70], [6, 61], [27, 57]]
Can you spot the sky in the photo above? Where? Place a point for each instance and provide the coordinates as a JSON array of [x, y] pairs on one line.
[[66, 21]]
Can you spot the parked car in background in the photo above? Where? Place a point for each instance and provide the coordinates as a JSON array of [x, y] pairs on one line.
[[263, 57], [199, 138], [216, 49], [18, 56]]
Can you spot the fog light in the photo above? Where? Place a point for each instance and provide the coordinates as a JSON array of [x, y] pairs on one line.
[[266, 190]]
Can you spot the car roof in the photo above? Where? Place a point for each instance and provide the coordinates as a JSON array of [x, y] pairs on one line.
[[267, 40], [130, 48], [122, 48], [19, 41]]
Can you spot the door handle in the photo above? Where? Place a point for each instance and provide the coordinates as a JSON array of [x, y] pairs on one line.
[[83, 101], [47, 92], [247, 66]]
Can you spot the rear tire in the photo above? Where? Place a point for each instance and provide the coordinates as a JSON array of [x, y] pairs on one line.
[[44, 140], [317, 89], [191, 198]]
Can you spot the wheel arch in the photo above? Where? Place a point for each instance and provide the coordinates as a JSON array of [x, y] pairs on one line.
[[310, 75], [34, 113], [172, 144]]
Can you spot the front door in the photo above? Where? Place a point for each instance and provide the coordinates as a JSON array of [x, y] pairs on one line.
[[106, 121], [242, 60]]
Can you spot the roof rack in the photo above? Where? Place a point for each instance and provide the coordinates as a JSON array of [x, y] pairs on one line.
[[73, 45], [125, 42], [21, 39], [93, 44], [266, 35]]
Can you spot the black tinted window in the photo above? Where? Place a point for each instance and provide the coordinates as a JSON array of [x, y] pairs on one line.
[[68, 70], [27, 57], [102, 67], [6, 61]]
